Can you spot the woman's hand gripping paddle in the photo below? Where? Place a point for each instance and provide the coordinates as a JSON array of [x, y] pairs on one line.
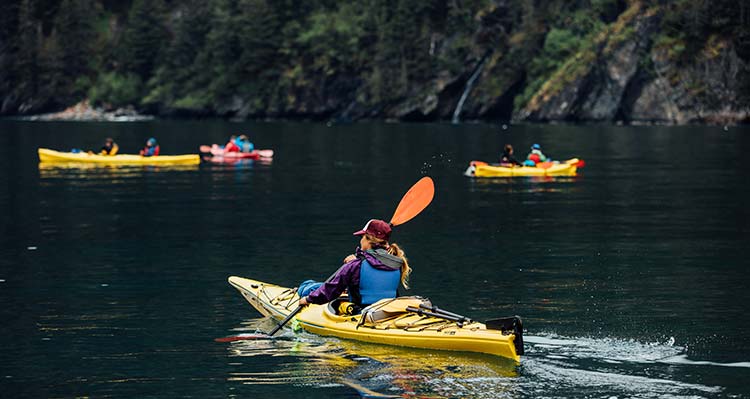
[[414, 201]]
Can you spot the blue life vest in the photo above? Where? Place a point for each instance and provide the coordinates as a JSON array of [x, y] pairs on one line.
[[376, 284]]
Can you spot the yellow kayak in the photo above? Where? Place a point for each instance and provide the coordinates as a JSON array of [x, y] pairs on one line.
[[52, 156], [404, 321], [483, 169]]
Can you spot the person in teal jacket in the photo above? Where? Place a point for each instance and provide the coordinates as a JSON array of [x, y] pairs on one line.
[[535, 156]]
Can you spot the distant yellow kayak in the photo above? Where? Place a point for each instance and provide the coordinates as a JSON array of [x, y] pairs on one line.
[[52, 156], [401, 321], [483, 169]]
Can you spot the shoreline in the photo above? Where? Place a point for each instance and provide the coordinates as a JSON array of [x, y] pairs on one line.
[[84, 112]]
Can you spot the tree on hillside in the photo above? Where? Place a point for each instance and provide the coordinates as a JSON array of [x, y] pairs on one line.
[[69, 67], [217, 60], [179, 76], [144, 38], [28, 37]]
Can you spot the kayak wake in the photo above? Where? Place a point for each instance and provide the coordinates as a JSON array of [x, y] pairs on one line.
[[565, 365]]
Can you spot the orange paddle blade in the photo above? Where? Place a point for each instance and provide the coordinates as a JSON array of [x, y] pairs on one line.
[[414, 201]]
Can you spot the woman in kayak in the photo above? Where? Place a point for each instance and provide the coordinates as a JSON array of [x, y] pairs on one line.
[[151, 149], [507, 158], [369, 275], [109, 147]]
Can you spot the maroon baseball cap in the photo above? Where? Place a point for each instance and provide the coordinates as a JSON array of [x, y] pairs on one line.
[[376, 228]]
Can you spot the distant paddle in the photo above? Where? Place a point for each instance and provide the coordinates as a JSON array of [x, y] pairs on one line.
[[414, 201], [240, 337]]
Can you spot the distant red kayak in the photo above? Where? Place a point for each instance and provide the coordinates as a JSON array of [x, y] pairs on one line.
[[218, 151]]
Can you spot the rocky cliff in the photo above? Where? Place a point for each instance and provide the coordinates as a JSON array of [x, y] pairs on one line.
[[613, 61]]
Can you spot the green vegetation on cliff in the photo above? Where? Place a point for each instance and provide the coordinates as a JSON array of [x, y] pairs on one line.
[[406, 59]]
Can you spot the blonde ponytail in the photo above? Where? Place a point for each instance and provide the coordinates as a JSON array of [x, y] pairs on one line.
[[394, 250]]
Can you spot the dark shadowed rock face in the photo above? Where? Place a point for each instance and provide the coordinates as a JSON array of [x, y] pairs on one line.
[[634, 82], [630, 80], [704, 92], [612, 76], [591, 86]]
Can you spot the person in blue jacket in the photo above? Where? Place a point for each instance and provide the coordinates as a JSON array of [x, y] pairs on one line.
[[244, 143], [151, 149], [372, 273]]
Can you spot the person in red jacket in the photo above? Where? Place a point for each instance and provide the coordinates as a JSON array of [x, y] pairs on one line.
[[231, 146], [151, 149]]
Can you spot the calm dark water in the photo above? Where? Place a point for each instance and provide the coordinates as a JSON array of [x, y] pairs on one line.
[[632, 278]]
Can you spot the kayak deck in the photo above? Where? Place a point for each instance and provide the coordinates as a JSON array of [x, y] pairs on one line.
[[409, 329], [52, 156]]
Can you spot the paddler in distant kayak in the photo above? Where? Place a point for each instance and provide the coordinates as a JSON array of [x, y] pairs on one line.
[[231, 145], [369, 275], [507, 158], [244, 143], [535, 156], [109, 147], [151, 149]]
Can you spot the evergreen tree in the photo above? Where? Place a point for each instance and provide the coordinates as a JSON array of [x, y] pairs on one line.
[[217, 62], [179, 76], [69, 67], [260, 40], [8, 50], [74, 23], [144, 38], [29, 33]]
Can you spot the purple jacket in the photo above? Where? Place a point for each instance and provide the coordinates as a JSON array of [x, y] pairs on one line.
[[347, 277]]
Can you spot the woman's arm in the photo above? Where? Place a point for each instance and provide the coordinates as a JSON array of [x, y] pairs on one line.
[[334, 287]]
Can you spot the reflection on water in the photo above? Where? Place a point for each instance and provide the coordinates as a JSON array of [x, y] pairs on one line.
[[113, 279], [75, 171], [564, 365], [235, 163], [371, 369]]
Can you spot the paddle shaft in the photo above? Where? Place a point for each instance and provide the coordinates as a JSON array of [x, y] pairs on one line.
[[286, 320], [295, 311], [437, 310], [458, 320]]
